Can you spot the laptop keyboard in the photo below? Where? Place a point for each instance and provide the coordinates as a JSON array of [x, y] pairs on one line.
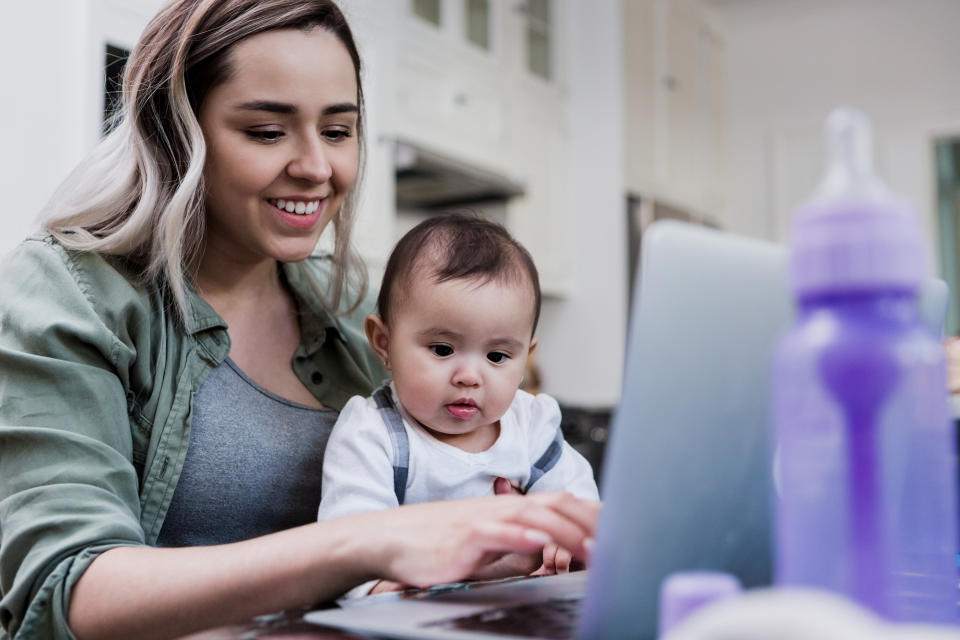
[[554, 619]]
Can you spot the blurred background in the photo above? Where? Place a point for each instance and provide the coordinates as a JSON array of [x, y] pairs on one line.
[[576, 123]]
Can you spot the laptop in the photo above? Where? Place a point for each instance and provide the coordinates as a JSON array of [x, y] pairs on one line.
[[687, 477]]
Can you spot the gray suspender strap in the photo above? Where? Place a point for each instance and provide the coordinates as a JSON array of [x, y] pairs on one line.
[[547, 461], [398, 438], [401, 446]]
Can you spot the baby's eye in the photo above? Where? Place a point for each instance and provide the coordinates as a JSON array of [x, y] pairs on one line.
[[496, 357], [441, 350]]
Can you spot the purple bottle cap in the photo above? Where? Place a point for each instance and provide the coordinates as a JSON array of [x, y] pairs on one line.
[[855, 235], [683, 592]]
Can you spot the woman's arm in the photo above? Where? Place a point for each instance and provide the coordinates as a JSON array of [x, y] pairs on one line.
[[69, 487], [146, 592]]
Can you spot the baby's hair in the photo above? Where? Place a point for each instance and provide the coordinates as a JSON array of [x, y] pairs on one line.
[[455, 246]]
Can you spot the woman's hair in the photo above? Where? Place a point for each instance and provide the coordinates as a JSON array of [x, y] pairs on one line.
[[456, 246], [140, 193]]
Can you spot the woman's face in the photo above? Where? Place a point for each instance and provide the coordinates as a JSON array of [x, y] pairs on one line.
[[282, 147]]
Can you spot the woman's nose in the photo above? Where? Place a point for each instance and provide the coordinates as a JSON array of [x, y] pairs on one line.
[[311, 163]]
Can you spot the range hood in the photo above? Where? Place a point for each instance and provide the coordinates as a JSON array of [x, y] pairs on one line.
[[430, 180]]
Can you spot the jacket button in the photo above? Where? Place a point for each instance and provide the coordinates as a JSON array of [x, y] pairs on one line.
[[316, 377]]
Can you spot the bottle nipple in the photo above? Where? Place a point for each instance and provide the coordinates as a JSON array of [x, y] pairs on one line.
[[850, 174], [855, 234]]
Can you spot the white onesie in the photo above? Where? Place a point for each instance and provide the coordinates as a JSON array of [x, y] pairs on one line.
[[359, 474]]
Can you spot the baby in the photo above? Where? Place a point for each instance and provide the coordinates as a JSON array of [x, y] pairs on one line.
[[458, 308]]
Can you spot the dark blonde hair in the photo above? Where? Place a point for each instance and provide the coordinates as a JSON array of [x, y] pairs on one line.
[[141, 192]]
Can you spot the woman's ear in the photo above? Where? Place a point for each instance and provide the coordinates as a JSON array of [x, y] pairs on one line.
[[533, 345], [378, 335]]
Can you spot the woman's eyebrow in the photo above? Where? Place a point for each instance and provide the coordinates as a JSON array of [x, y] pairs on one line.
[[343, 107], [267, 105], [289, 109]]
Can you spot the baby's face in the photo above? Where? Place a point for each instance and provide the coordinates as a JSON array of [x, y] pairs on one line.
[[458, 349]]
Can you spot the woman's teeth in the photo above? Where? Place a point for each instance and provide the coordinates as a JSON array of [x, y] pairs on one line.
[[300, 207]]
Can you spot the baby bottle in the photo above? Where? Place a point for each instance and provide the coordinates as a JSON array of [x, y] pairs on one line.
[[865, 460]]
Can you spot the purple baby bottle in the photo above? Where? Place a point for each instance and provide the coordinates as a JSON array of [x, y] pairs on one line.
[[865, 460]]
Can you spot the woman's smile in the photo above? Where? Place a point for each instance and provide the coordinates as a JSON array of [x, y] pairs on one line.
[[299, 213], [300, 207]]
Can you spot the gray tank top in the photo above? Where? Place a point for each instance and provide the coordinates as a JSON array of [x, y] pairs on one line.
[[253, 465]]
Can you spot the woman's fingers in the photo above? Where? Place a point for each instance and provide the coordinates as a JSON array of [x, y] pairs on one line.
[[510, 536], [570, 526], [566, 520], [507, 565], [451, 540], [584, 512]]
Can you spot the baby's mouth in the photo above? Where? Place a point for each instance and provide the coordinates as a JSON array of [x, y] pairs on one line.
[[463, 409]]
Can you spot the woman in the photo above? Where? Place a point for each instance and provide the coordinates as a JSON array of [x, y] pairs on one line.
[[170, 349]]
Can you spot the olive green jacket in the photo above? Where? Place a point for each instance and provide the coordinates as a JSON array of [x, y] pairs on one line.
[[97, 377]]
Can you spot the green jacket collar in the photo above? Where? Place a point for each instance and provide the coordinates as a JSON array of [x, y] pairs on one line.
[[316, 322]]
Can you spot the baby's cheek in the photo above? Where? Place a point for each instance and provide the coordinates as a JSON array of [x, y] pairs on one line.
[[418, 399], [502, 401]]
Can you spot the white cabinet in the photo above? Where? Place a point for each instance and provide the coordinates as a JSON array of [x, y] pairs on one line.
[[430, 89], [673, 66]]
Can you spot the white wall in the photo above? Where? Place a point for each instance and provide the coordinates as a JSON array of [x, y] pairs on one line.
[[51, 57], [584, 335], [788, 62], [41, 117]]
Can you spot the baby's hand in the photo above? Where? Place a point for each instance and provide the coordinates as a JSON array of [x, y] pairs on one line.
[[556, 559]]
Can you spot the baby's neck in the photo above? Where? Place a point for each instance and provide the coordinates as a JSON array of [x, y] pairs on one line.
[[476, 441]]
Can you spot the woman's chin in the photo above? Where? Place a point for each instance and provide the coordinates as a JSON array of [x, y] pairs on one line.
[[295, 251]]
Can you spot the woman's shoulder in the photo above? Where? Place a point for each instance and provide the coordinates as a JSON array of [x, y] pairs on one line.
[[44, 276], [87, 269]]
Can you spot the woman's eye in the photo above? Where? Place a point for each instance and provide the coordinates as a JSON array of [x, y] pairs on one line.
[[337, 135], [264, 135], [442, 350], [496, 357]]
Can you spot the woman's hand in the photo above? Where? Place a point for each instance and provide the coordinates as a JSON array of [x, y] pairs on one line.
[[432, 543], [509, 564], [553, 559]]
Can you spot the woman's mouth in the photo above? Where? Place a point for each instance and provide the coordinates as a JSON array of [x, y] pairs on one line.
[[299, 207]]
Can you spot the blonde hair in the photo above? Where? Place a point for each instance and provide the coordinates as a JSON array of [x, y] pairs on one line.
[[140, 192]]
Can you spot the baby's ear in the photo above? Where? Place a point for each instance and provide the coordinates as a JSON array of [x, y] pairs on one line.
[[378, 335]]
